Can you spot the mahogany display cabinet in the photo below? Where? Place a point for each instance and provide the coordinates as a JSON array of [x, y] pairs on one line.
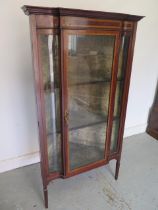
[[82, 65]]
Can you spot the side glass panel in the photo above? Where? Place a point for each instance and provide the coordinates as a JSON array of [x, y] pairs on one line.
[[51, 88], [90, 59], [119, 91]]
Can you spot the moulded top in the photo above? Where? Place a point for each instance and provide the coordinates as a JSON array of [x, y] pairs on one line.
[[58, 11]]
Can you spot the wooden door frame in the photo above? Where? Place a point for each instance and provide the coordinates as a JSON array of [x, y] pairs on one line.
[[64, 36]]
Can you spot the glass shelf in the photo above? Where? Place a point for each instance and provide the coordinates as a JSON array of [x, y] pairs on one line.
[[49, 86], [83, 123], [94, 82], [86, 125]]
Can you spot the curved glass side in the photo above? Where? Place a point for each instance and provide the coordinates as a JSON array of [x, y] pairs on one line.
[[119, 91], [51, 87]]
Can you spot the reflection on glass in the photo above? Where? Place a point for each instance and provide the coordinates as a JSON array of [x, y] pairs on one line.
[[49, 63], [87, 145], [119, 92], [123, 57], [90, 60], [114, 134], [118, 98]]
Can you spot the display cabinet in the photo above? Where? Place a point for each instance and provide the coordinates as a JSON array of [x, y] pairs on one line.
[[82, 64]]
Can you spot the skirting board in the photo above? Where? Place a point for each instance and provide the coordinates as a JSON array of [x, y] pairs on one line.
[[20, 161], [129, 131], [31, 158]]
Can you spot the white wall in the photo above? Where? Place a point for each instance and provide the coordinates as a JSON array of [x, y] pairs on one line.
[[18, 124]]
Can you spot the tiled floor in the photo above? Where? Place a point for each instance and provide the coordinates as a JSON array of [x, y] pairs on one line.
[[136, 188]]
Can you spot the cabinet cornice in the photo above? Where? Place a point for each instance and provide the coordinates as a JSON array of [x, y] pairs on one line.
[[58, 11]]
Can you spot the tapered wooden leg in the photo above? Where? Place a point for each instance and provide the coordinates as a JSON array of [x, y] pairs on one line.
[[117, 169], [45, 197]]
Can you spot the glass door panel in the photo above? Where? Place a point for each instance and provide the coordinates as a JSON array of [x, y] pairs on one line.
[[119, 91], [48, 45], [89, 71], [87, 145]]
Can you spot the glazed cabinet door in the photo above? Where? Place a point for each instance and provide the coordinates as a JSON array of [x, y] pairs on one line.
[[50, 89], [89, 66]]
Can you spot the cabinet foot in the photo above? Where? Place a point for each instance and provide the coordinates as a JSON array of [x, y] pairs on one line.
[[45, 197], [117, 169]]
